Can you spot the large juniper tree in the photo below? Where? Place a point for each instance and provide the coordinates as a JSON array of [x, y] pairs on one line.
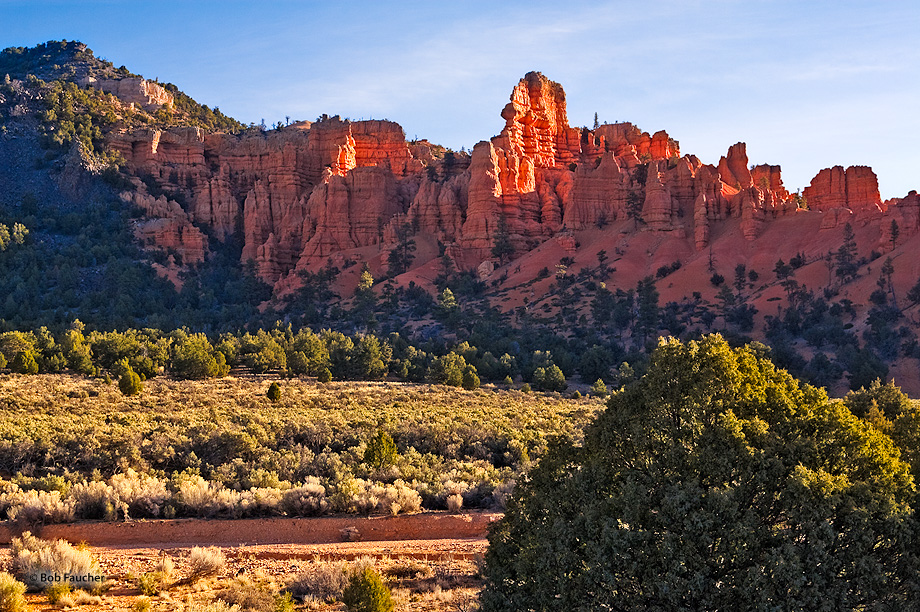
[[715, 482]]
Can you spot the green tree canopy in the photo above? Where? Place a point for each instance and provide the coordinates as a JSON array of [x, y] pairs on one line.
[[549, 378], [130, 383], [447, 369], [24, 363], [402, 255], [714, 482], [274, 392], [366, 592], [470, 378], [194, 357], [381, 450]]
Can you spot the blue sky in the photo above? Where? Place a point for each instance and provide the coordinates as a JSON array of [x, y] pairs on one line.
[[807, 84]]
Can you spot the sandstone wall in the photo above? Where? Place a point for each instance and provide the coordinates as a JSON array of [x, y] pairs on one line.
[[133, 90], [297, 196]]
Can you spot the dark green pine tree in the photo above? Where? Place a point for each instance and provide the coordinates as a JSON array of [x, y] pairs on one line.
[[501, 242], [402, 255], [845, 258]]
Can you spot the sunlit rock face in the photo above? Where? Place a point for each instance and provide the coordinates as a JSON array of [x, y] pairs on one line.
[[309, 193]]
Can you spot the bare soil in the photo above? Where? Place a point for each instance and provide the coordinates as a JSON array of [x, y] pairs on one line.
[[450, 547]]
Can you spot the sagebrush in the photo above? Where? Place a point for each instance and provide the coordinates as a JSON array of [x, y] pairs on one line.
[[42, 563]]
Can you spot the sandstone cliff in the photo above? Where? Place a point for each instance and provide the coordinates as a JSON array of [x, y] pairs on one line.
[[855, 188], [298, 196], [132, 90]]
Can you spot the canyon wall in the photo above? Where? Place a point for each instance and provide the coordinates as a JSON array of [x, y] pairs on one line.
[[296, 196]]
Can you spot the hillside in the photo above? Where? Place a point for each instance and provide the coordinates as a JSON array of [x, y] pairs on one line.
[[550, 237]]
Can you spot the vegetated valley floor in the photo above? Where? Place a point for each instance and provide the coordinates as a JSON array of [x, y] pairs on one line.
[[76, 428], [423, 575]]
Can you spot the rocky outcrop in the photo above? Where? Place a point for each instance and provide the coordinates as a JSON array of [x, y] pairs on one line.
[[536, 124], [306, 184], [769, 179], [438, 209], [598, 194], [750, 205], [625, 138], [855, 188], [905, 214], [166, 226], [657, 209], [541, 176], [133, 90], [346, 212], [733, 167], [312, 193], [484, 213]]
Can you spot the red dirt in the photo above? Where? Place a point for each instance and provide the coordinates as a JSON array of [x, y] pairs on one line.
[[254, 532], [451, 546]]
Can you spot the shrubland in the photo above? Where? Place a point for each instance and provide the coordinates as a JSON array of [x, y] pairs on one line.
[[74, 447]]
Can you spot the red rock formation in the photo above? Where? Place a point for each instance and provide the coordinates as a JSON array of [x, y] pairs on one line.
[[350, 211], [303, 193], [752, 211], [310, 193], [598, 194], [540, 175], [855, 188], [662, 147], [437, 208], [484, 210], [862, 190], [733, 167], [619, 137], [536, 124], [167, 227], [657, 209], [261, 184], [710, 205], [905, 212], [769, 178], [383, 143]]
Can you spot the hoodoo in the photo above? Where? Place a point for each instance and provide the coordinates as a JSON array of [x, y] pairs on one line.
[[300, 195]]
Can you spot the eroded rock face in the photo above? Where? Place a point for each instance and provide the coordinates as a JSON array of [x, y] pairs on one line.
[[311, 193], [536, 124], [657, 209], [733, 167], [905, 214], [540, 176], [855, 188], [769, 179], [133, 90], [598, 194], [168, 227], [439, 209], [328, 184]]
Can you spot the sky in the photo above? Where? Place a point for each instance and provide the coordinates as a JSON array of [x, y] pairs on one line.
[[807, 84]]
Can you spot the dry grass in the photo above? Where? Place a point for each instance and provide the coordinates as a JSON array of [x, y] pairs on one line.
[[204, 562], [43, 563], [82, 598], [141, 604], [439, 583], [321, 582], [325, 581], [59, 594]]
